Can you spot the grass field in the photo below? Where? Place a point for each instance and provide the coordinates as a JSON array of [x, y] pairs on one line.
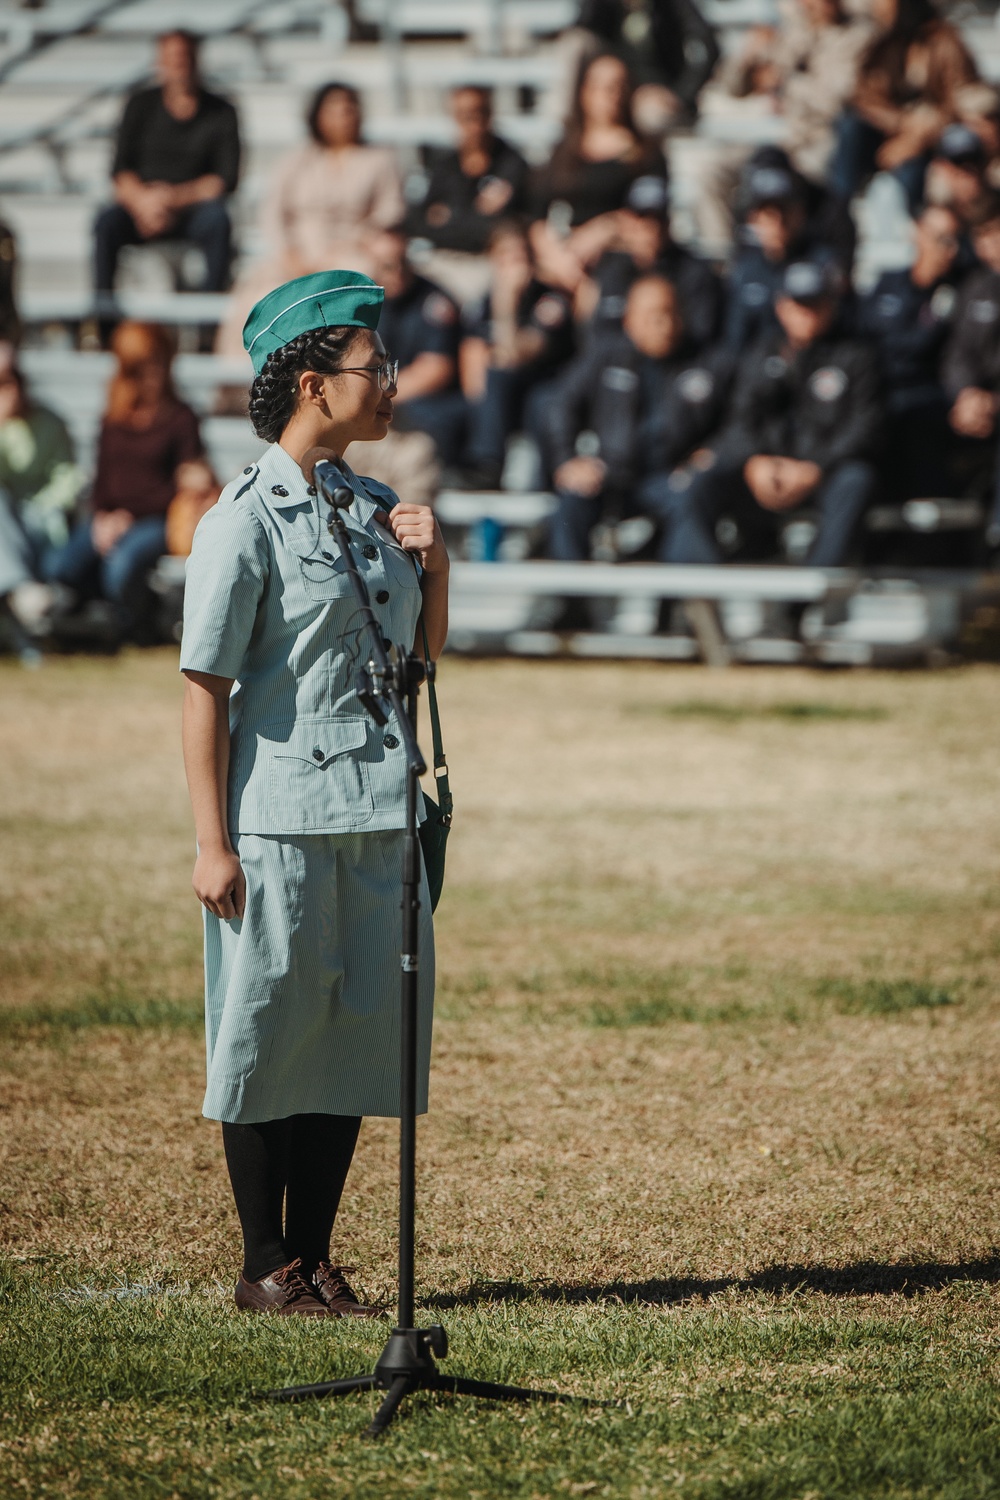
[[714, 1102]]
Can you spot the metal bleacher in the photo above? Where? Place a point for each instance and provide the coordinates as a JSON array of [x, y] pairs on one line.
[[64, 67]]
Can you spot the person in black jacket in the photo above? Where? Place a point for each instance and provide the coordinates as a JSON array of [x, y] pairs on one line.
[[804, 427], [644, 402], [420, 325], [516, 339], [177, 157], [643, 244], [783, 219], [908, 316], [669, 46], [970, 369], [473, 187]]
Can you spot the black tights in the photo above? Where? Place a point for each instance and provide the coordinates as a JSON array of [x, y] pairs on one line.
[[302, 1161]]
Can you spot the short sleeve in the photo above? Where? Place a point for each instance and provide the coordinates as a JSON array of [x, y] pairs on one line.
[[225, 580], [187, 436], [225, 146], [128, 142]]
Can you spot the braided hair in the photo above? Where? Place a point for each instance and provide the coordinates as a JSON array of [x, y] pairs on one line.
[[274, 394]]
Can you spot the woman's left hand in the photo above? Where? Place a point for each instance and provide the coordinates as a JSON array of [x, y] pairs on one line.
[[416, 530]]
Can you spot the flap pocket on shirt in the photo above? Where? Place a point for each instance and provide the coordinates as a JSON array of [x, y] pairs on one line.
[[325, 576], [318, 741]]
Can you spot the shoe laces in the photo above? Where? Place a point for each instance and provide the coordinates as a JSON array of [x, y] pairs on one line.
[[291, 1278], [334, 1279]]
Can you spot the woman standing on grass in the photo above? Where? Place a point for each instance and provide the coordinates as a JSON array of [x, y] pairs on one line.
[[298, 796]]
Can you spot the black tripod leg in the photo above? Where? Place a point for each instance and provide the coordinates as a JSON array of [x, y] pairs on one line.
[[459, 1385], [399, 1388], [327, 1388]]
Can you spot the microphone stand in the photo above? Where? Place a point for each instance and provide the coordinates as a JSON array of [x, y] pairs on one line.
[[391, 678]]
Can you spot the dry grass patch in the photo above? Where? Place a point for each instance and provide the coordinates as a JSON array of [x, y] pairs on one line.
[[714, 1109]]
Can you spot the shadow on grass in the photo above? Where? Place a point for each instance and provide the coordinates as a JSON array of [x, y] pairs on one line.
[[866, 1279]]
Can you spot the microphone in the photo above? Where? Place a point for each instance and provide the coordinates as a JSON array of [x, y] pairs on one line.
[[320, 466]]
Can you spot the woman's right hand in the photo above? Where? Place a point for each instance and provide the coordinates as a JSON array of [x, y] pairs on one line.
[[219, 883]]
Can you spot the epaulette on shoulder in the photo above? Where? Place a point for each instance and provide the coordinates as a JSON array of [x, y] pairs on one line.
[[237, 488]]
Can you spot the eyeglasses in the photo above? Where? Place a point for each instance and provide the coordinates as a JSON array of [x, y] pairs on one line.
[[386, 372]]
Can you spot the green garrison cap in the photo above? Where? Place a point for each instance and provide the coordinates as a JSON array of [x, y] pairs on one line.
[[326, 299]]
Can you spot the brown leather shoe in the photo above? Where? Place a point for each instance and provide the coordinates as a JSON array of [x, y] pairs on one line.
[[284, 1291], [339, 1299]]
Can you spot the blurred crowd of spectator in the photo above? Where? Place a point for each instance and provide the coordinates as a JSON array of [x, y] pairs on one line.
[[716, 396]]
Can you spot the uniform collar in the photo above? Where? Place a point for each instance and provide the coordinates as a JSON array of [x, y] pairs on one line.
[[283, 487], [283, 484]]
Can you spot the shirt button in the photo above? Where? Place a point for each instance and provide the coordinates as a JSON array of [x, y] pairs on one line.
[[279, 489], [370, 552], [382, 597], [248, 471], [311, 490], [390, 741], [317, 753]]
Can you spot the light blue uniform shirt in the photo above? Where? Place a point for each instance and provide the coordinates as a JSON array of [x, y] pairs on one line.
[[268, 602]]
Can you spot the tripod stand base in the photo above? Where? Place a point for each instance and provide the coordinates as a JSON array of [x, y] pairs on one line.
[[407, 1365]]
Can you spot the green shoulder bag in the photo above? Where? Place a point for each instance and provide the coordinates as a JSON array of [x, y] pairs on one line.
[[436, 826]]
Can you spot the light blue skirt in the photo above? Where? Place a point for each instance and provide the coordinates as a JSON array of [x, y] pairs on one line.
[[302, 997]]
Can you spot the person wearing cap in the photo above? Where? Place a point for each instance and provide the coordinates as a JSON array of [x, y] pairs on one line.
[[970, 368], [421, 324], [908, 315], [645, 399], [641, 243], [783, 220], [804, 428], [298, 796], [516, 340], [956, 177]]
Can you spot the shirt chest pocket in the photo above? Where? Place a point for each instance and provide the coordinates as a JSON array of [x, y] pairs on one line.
[[325, 576]]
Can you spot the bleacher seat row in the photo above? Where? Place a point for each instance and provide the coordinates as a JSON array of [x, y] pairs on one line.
[[65, 66]]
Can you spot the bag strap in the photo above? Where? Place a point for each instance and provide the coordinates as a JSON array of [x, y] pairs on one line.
[[445, 799]]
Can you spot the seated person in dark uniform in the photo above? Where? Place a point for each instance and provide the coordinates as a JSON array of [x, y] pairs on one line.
[[970, 369], [907, 314], [642, 244], [515, 341], [804, 428], [472, 187], [956, 177], [645, 401], [420, 326], [780, 224], [177, 156]]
